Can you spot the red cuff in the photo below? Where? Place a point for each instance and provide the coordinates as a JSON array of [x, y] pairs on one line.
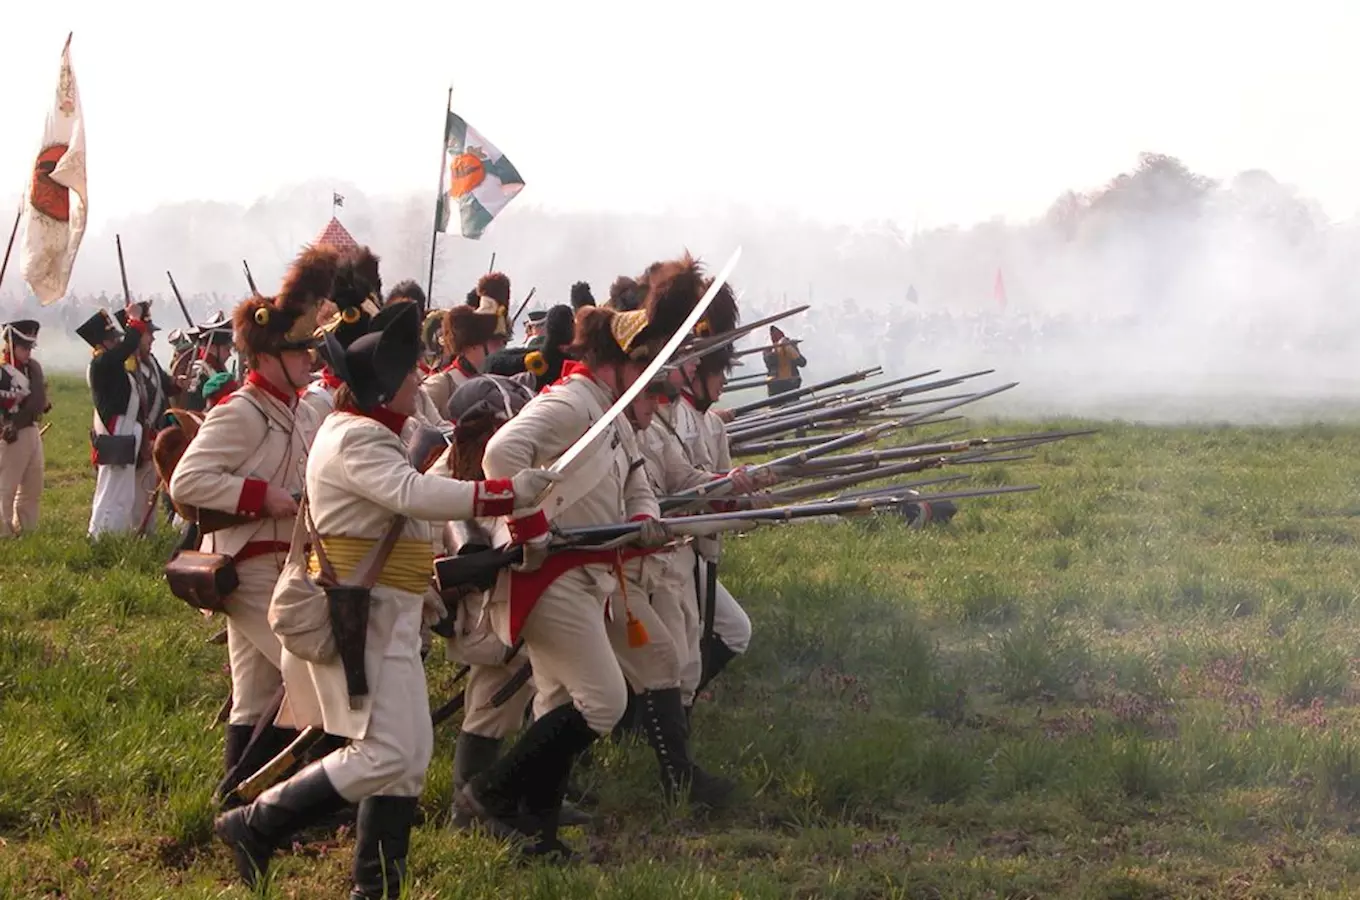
[[493, 497], [525, 529], [137, 325], [641, 517], [252, 497]]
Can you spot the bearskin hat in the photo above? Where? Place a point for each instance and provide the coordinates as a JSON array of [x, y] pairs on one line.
[[408, 290], [720, 318], [495, 285], [624, 294], [266, 326], [464, 327], [356, 293], [673, 289], [581, 295]]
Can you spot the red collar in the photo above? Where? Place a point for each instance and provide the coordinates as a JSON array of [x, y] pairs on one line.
[[381, 414], [259, 381], [462, 365], [572, 367], [330, 379]]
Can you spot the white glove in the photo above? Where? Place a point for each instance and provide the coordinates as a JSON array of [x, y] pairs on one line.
[[654, 533], [535, 552], [530, 483]]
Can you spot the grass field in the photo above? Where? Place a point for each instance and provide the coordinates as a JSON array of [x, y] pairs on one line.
[[1138, 682]]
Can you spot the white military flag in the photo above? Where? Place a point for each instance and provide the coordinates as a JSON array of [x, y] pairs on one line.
[[55, 208]]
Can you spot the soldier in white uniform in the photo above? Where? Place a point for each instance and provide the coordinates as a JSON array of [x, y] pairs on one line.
[[23, 402], [477, 410], [115, 433], [467, 334], [358, 481], [247, 461], [559, 610]]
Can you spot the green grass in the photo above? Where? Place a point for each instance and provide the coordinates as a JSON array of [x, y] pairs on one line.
[[1138, 682]]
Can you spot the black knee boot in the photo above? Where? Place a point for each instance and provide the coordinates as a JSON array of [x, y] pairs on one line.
[[255, 831], [382, 836], [663, 720], [715, 655], [472, 755], [250, 758], [541, 757]]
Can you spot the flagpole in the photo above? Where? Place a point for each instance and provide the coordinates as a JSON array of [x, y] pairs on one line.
[[434, 230], [10, 246]]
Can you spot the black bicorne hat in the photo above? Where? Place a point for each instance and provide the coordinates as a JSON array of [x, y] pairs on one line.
[[375, 364], [98, 328]]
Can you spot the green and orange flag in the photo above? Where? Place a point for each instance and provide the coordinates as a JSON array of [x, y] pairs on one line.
[[478, 180]]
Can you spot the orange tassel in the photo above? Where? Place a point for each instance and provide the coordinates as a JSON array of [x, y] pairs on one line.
[[637, 632]]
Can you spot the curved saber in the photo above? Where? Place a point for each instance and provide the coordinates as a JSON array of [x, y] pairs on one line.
[[641, 381]]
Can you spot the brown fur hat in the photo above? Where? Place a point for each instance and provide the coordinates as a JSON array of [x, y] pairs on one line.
[[495, 285], [604, 335], [721, 317], [266, 326], [673, 288], [465, 327]]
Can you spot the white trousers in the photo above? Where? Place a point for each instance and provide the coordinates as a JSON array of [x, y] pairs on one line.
[[573, 660], [115, 495], [253, 648], [480, 717], [21, 482], [655, 665], [676, 603], [393, 756]]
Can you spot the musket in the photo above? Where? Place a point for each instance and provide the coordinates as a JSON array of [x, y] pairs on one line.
[[847, 410], [527, 298], [747, 351], [747, 385], [250, 281], [180, 300], [764, 416], [452, 571], [980, 447], [701, 346], [889, 392], [273, 771], [827, 485], [122, 270], [720, 486], [783, 444], [805, 391]]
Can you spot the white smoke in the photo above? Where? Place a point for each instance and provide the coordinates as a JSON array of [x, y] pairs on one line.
[[1160, 295]]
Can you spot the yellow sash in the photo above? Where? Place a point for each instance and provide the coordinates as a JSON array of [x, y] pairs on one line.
[[408, 568]]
